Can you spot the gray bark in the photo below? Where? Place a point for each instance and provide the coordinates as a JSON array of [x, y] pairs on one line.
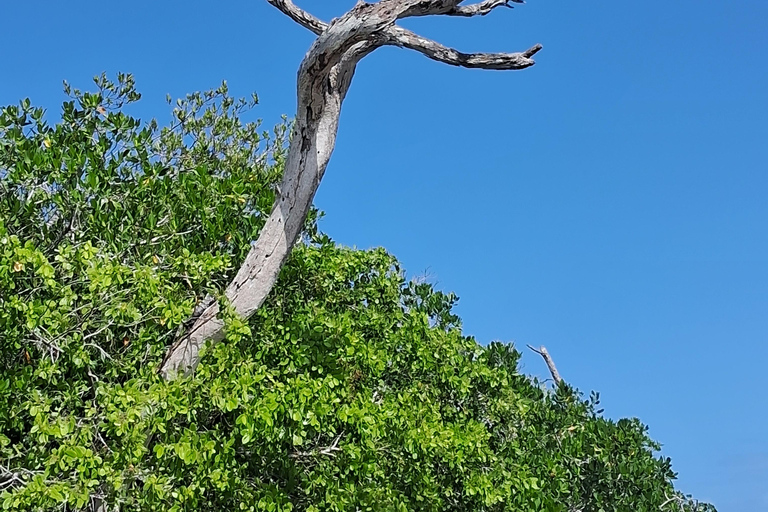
[[542, 351], [324, 78]]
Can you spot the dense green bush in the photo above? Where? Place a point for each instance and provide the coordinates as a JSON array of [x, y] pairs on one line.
[[351, 389]]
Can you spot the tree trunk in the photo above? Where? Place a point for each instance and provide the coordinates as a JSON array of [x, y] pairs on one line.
[[324, 78]]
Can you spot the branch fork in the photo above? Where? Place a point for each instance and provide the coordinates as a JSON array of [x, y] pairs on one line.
[[324, 78]]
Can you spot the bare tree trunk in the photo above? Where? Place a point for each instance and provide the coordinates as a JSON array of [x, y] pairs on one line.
[[324, 78]]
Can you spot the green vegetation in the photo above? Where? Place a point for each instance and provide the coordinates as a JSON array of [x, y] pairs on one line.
[[351, 389]]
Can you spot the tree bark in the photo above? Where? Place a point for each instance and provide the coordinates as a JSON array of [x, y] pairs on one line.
[[324, 78]]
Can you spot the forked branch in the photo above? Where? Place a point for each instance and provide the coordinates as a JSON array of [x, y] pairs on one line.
[[324, 78]]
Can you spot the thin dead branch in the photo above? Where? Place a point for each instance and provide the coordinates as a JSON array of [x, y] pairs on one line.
[[398, 36], [329, 451], [482, 8], [542, 351], [299, 15]]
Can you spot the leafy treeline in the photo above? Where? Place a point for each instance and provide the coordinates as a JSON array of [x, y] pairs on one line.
[[351, 389]]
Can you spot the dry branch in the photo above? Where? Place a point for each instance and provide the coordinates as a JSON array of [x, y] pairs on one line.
[[329, 451], [324, 78], [542, 351], [299, 15], [436, 51], [482, 8]]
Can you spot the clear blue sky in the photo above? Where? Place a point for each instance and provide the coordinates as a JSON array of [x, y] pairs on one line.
[[610, 203]]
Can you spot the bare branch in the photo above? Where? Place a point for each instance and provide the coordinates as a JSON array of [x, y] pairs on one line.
[[505, 61], [542, 351], [324, 78], [481, 8], [300, 16], [329, 451], [413, 8]]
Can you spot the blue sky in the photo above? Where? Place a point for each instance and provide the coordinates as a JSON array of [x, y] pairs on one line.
[[609, 203]]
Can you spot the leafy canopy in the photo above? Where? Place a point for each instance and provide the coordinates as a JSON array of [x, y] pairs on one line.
[[350, 389]]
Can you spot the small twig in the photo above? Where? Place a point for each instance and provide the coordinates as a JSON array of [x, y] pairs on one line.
[[680, 500], [101, 439], [96, 333], [104, 354], [673, 498], [327, 450], [12, 478], [542, 351], [53, 349]]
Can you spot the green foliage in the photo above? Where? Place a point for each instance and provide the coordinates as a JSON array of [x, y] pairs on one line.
[[351, 389]]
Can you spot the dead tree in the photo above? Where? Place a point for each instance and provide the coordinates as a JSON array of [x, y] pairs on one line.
[[324, 78]]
